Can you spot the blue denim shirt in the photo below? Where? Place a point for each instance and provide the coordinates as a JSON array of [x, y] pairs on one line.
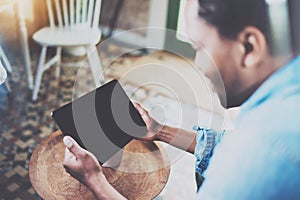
[[206, 141], [260, 159]]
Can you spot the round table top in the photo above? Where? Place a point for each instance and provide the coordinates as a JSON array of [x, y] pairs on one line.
[[142, 174]]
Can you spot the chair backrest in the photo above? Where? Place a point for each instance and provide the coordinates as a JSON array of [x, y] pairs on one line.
[[74, 13]]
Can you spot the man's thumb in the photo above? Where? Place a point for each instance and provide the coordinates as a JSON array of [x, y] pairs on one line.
[[72, 145]]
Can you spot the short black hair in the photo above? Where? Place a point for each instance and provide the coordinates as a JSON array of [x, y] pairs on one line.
[[231, 16]]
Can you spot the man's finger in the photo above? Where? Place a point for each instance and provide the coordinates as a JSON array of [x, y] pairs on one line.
[[144, 114], [72, 146], [137, 106], [69, 155], [135, 103], [141, 110]]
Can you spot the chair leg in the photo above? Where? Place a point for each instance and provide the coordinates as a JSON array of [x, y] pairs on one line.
[[5, 60], [6, 66], [96, 65], [58, 63], [7, 86], [39, 73]]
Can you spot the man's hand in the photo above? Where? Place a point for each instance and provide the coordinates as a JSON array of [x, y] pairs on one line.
[[84, 166], [179, 138], [152, 125], [80, 163]]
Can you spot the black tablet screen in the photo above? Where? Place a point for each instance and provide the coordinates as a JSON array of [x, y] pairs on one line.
[[102, 121]]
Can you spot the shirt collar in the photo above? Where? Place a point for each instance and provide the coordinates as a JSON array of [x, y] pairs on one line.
[[276, 85]]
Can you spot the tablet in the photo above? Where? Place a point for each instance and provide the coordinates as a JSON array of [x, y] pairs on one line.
[[102, 121]]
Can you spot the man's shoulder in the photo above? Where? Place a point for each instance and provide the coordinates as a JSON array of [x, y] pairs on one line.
[[277, 114]]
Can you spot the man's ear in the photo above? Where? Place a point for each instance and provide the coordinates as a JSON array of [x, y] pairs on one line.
[[253, 44]]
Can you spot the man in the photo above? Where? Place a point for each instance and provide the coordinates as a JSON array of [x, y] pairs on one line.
[[260, 158]]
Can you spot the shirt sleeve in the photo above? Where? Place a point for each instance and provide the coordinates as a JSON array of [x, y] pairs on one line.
[[206, 140]]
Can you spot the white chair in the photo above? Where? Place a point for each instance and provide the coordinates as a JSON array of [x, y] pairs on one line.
[[4, 67], [72, 23]]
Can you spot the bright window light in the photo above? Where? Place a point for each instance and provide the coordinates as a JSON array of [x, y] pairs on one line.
[[272, 2]]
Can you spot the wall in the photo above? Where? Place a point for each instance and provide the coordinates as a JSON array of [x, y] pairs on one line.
[[134, 14], [35, 17]]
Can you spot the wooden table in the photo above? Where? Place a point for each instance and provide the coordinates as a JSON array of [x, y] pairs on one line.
[[142, 174]]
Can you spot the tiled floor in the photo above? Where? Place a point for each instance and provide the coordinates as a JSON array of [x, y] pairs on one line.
[[23, 125]]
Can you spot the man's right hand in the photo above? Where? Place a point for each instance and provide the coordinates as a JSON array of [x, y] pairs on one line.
[[80, 163], [153, 126], [84, 166]]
